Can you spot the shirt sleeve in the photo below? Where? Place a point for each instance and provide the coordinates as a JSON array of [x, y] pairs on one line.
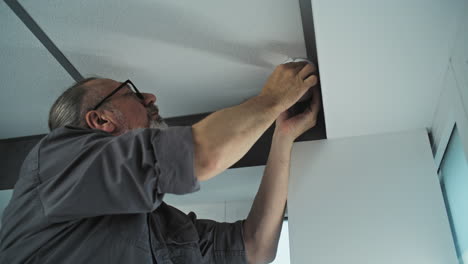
[[221, 242], [86, 174]]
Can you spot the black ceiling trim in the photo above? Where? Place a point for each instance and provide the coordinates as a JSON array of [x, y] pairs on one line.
[[12, 153], [14, 150], [311, 49], [22, 139], [308, 28], [29, 22]]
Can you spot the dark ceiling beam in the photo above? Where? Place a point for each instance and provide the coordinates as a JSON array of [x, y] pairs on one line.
[[13, 151], [308, 28], [311, 49], [29, 22]]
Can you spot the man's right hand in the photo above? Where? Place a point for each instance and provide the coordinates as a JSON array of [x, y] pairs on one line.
[[289, 82]]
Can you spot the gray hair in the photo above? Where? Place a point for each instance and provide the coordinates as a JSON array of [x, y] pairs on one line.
[[69, 108]]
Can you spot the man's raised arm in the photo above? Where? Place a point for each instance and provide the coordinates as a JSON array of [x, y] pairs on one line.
[[224, 137], [262, 227]]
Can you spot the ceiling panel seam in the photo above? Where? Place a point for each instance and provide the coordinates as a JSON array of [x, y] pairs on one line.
[[29, 22]]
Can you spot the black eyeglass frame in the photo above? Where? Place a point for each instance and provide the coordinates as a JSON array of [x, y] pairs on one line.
[[138, 94]]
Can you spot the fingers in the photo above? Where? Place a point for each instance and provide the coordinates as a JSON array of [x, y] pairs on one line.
[[311, 81], [315, 105], [289, 82], [303, 69], [296, 65], [314, 108], [307, 74], [306, 71]]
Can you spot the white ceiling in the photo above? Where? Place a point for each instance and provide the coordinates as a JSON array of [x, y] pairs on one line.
[[382, 62], [30, 79], [195, 56]]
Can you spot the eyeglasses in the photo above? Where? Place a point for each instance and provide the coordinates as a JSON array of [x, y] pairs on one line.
[[127, 83]]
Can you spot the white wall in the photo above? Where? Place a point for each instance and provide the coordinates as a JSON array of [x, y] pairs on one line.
[[459, 57], [227, 211], [226, 198], [450, 112], [369, 199], [452, 107]]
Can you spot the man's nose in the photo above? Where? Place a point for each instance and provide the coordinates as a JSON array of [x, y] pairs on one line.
[[149, 99]]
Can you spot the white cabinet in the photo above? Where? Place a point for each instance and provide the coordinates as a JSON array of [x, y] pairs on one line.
[[369, 199]]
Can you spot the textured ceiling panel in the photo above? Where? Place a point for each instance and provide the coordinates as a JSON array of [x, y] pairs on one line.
[[382, 62], [196, 56], [30, 79]]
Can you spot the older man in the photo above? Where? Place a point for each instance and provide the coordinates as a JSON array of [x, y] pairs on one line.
[[92, 190]]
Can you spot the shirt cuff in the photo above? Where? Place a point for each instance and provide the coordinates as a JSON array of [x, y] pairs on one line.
[[174, 152]]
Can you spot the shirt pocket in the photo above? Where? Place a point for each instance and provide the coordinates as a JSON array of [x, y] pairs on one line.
[[182, 243], [132, 228], [176, 233]]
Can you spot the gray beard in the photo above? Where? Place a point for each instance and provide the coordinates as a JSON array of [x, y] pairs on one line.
[[158, 124]]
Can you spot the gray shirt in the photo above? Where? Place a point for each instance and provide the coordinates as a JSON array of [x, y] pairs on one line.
[[85, 196]]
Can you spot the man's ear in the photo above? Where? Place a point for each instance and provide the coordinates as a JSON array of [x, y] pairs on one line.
[[101, 121]]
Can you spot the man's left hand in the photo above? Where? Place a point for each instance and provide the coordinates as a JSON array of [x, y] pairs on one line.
[[291, 127]]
